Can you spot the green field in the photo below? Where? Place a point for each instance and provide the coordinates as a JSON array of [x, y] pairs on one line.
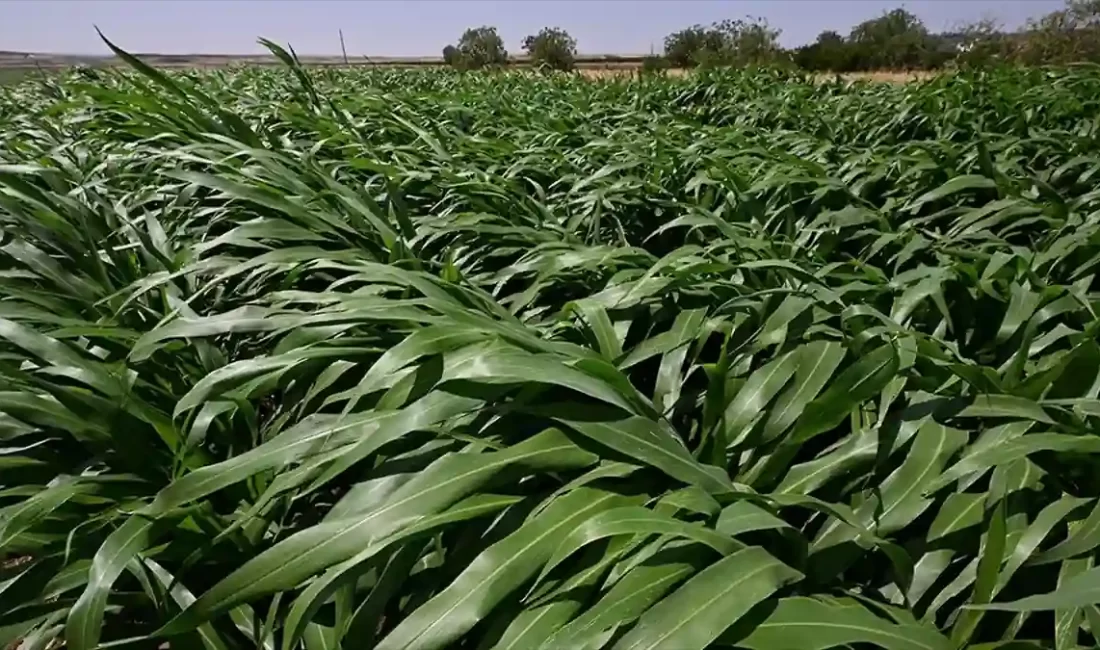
[[422, 360], [13, 75]]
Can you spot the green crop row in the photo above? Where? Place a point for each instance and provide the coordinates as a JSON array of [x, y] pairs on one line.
[[423, 360]]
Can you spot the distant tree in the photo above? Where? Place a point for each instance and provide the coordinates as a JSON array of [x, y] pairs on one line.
[[729, 42], [683, 48], [451, 55], [479, 47], [1049, 39], [551, 48], [1068, 35], [1086, 23], [1084, 13], [830, 52], [895, 40], [829, 38], [981, 42], [750, 41]]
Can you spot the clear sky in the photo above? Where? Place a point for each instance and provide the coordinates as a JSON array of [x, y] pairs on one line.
[[423, 27]]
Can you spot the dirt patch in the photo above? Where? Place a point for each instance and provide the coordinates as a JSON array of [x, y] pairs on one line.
[[624, 71], [12, 563], [891, 77]]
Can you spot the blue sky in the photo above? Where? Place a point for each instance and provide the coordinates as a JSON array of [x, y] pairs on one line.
[[423, 27]]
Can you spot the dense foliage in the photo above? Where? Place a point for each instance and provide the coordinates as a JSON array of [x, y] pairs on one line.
[[895, 40], [477, 48], [725, 43], [898, 39], [399, 359], [552, 48], [450, 55]]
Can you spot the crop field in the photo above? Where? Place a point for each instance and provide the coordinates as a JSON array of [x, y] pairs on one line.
[[308, 359]]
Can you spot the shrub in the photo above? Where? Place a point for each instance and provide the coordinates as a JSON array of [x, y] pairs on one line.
[[654, 64]]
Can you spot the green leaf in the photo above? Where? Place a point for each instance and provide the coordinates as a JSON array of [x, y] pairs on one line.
[[20, 517], [818, 624], [496, 573], [82, 629], [635, 520], [901, 497], [761, 387], [501, 365], [669, 379], [953, 186], [989, 564], [182, 597], [533, 625], [816, 364], [311, 436], [697, 613], [296, 558], [647, 443], [959, 511], [1001, 406], [806, 477], [743, 516], [859, 382], [600, 325], [639, 588], [977, 459], [1068, 621], [322, 588], [1036, 532], [1082, 539], [1079, 591]]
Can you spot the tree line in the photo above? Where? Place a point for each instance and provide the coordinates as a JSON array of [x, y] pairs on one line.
[[896, 40]]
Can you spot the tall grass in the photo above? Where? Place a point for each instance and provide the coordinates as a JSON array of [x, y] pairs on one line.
[[393, 359]]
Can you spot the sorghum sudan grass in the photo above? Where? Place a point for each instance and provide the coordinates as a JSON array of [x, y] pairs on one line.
[[423, 360]]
